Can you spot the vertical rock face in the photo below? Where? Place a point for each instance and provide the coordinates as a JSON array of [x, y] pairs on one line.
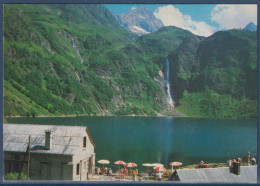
[[140, 21]]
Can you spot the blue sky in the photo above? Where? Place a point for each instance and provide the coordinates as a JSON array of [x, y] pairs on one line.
[[201, 19]]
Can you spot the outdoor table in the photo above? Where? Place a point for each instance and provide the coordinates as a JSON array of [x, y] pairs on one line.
[[121, 176]]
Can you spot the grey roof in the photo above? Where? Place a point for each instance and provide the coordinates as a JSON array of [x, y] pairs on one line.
[[66, 139], [248, 174]]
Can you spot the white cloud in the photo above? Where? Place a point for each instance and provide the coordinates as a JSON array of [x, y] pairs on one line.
[[234, 16], [171, 16]]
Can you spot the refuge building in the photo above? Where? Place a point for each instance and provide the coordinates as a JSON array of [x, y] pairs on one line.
[[248, 174], [56, 152]]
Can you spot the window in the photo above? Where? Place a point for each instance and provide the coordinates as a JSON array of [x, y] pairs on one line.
[[84, 142], [77, 172]]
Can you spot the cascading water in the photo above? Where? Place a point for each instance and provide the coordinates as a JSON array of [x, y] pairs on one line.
[[74, 46], [168, 91]]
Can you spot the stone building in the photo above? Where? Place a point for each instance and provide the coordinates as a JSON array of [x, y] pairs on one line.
[[248, 174], [56, 152]]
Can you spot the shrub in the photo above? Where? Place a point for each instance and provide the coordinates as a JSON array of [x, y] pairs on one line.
[[14, 176]]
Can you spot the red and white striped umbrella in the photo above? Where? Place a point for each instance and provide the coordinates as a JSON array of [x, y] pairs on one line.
[[157, 165], [130, 165], [119, 162], [159, 169], [175, 164]]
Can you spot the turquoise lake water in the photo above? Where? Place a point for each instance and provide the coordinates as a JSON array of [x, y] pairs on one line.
[[163, 139]]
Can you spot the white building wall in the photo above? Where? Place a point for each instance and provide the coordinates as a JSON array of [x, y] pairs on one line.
[[82, 157], [61, 167]]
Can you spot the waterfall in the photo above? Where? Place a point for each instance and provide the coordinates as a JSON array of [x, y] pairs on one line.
[[168, 91], [75, 46]]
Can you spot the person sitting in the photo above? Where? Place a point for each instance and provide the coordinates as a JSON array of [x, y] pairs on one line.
[[109, 172], [141, 177], [201, 164], [253, 160]]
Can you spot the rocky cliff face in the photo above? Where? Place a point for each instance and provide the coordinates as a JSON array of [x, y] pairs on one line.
[[183, 64], [139, 21]]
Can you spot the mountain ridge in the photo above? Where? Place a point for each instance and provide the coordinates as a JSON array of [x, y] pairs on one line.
[[139, 21], [57, 62], [250, 26]]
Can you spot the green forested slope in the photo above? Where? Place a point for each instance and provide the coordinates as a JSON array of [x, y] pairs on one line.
[[76, 59], [67, 59], [218, 75]]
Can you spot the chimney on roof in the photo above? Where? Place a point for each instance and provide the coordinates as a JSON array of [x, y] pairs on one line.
[[48, 139]]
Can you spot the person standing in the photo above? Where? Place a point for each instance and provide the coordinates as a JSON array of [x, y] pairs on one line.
[[98, 171], [133, 175], [159, 176], [248, 158], [125, 172], [229, 162]]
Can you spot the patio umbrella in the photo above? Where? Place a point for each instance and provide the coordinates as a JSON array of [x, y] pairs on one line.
[[103, 162], [119, 162], [147, 165], [130, 165], [175, 164], [157, 165], [159, 169]]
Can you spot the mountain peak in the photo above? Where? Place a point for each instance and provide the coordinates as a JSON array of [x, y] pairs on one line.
[[140, 9], [140, 21], [251, 27]]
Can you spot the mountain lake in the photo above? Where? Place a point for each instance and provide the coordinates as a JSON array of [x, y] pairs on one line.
[[163, 139]]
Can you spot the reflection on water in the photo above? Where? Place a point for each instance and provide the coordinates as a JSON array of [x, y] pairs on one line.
[[163, 139]]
